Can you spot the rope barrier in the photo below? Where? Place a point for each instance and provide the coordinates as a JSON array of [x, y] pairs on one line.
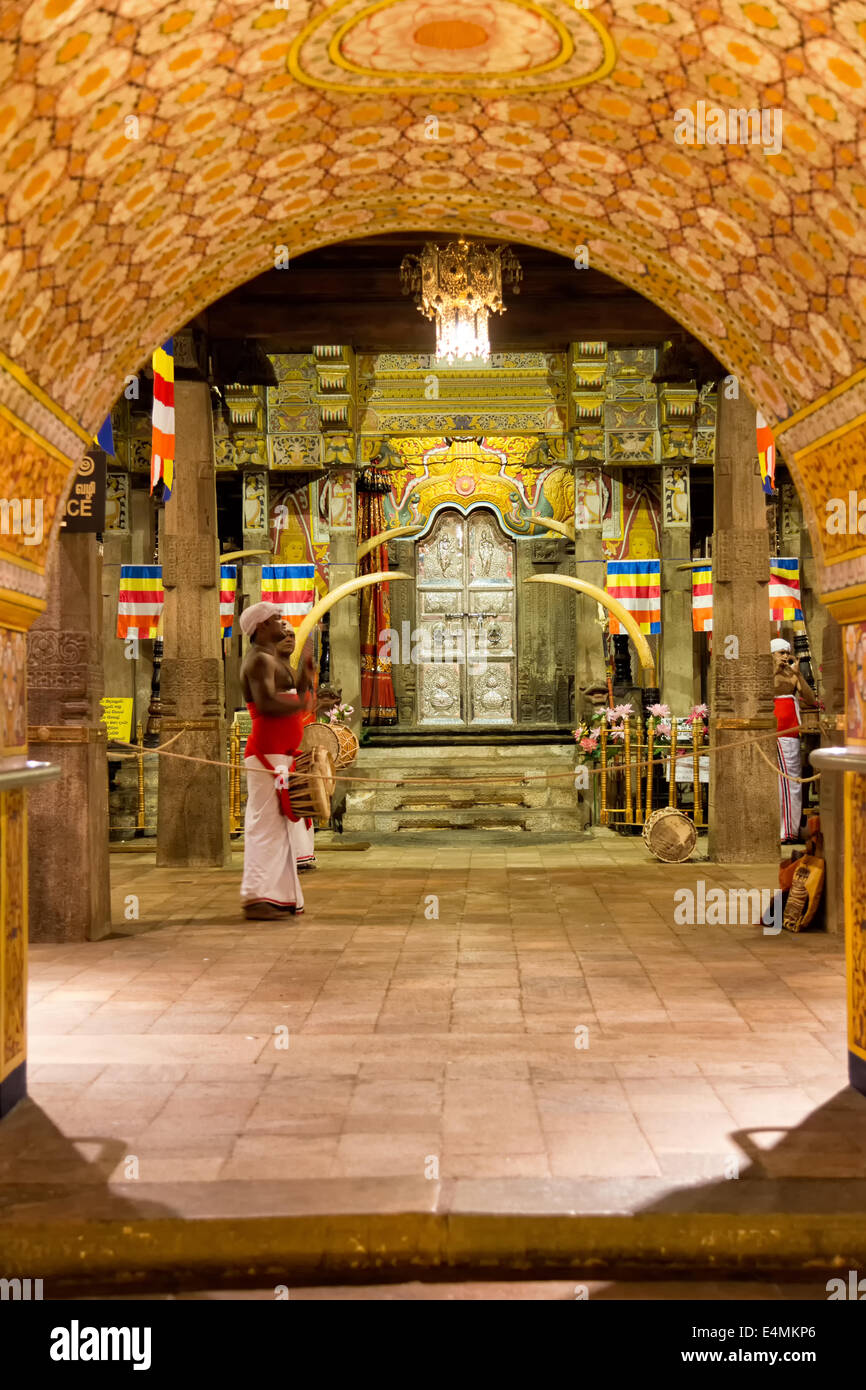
[[788, 776], [121, 757], [711, 749]]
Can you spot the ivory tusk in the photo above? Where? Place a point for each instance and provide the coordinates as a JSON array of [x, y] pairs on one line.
[[242, 555], [325, 604], [565, 528], [383, 536], [568, 581]]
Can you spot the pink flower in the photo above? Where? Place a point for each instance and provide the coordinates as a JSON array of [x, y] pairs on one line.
[[590, 744], [699, 712], [660, 711], [622, 711], [664, 729]]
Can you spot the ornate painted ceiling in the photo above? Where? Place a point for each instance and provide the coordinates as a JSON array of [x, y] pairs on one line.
[[153, 155]]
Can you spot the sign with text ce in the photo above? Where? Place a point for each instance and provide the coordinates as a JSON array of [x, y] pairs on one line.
[[85, 510]]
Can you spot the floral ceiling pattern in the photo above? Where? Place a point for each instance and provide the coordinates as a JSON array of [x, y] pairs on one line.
[[153, 155]]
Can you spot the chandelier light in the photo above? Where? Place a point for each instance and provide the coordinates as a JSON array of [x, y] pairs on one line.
[[460, 286]]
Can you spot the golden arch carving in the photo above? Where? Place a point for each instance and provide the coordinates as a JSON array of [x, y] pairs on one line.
[[642, 646], [325, 604]]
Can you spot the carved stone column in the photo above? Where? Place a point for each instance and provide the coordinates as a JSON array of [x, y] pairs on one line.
[[744, 790], [677, 641], [68, 819], [192, 822]]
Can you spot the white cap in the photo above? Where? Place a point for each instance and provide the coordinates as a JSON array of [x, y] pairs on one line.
[[256, 614], [778, 644]]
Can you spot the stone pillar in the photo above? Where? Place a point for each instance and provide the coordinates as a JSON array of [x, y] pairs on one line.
[[677, 639], [744, 790], [589, 667], [345, 630], [192, 821], [68, 819]]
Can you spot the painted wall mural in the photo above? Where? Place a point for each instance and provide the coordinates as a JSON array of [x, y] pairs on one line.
[[13, 693], [295, 526]]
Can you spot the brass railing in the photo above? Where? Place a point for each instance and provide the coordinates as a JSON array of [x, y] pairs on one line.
[[629, 787]]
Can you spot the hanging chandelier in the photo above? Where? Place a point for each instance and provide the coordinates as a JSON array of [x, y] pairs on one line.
[[460, 286]]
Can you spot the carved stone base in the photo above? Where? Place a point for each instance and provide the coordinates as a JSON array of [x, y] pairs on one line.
[[68, 838]]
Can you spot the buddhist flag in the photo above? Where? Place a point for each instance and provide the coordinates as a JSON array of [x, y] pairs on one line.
[[766, 454], [291, 587], [702, 598], [140, 600], [105, 438], [228, 589], [162, 450], [785, 602], [637, 585]]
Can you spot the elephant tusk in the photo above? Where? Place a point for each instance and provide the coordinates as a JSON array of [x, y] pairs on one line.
[[383, 536], [565, 528], [325, 604], [568, 581], [242, 554]]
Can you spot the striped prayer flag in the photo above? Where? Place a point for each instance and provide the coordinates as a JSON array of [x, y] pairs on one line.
[[637, 585], [785, 601], [702, 599], [291, 587], [228, 589], [140, 600], [766, 454], [162, 449]]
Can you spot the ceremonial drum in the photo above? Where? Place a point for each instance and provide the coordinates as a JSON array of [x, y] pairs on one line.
[[337, 740], [311, 784], [670, 835]]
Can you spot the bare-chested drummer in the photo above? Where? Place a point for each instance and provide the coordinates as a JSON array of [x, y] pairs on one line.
[[277, 702]]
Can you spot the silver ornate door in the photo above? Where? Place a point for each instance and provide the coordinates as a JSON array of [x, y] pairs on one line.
[[465, 591]]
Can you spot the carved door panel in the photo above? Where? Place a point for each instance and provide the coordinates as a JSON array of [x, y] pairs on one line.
[[465, 592]]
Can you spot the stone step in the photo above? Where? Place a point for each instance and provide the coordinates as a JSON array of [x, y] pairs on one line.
[[522, 818], [463, 796]]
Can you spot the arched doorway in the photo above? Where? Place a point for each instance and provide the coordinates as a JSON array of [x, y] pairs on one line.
[[190, 150]]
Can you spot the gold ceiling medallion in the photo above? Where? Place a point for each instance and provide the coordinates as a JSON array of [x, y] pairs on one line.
[[493, 46], [460, 286]]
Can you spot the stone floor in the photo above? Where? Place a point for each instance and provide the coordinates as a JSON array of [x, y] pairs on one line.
[[459, 1022]]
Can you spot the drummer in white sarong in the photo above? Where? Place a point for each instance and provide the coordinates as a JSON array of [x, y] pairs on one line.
[[277, 703]]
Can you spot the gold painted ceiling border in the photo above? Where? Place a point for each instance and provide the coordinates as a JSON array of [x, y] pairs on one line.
[[18, 612], [42, 398], [833, 394]]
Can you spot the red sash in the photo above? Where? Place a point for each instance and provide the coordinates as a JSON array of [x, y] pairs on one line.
[[284, 795]]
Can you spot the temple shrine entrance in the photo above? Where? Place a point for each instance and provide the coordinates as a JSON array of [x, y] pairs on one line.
[[466, 621]]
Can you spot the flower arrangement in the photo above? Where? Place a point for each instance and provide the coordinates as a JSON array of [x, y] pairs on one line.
[[663, 730], [337, 714], [588, 736]]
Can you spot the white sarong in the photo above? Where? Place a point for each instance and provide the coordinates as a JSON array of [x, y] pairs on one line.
[[790, 793], [270, 868], [303, 840]]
